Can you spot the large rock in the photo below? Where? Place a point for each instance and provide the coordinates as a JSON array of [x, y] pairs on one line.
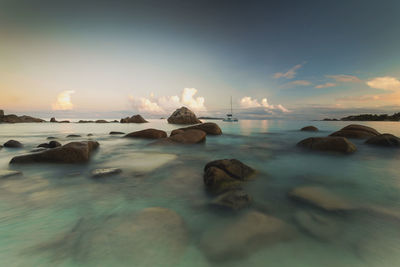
[[133, 119], [148, 134], [309, 129], [334, 144], [189, 137], [320, 197], [74, 152], [18, 119], [12, 144], [234, 200], [356, 131], [386, 140], [53, 119], [225, 175], [244, 236], [183, 115], [210, 128]]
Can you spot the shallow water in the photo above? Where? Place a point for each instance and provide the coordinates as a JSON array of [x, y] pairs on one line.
[[59, 215]]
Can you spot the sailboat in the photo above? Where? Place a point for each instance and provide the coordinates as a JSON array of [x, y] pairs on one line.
[[229, 117]]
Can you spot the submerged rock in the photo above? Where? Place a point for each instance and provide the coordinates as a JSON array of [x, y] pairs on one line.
[[105, 172], [51, 144], [9, 173], [356, 131], [66, 121], [133, 119], [244, 236], [51, 138], [317, 225], [12, 144], [309, 129], [210, 128], [386, 140], [183, 115], [234, 200], [226, 174], [73, 135], [74, 152], [148, 134], [115, 133], [334, 144], [320, 197]]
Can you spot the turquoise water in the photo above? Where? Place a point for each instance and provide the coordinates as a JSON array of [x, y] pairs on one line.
[[57, 215]]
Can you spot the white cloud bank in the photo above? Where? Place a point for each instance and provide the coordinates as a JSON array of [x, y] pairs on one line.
[[64, 101], [248, 103], [384, 83], [167, 104]]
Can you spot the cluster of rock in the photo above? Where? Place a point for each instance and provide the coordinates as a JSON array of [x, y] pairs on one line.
[[133, 119], [338, 141], [11, 118], [183, 115]]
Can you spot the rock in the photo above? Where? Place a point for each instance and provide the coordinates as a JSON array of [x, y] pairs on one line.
[[234, 200], [133, 119], [9, 173], [148, 134], [39, 149], [226, 174], [317, 225], [309, 129], [73, 135], [11, 118], [334, 144], [105, 172], [89, 134], [1, 113], [64, 121], [244, 236], [183, 115], [101, 121], [356, 131], [74, 152], [53, 120], [386, 140], [320, 197], [208, 127], [189, 137], [83, 121], [13, 144], [116, 133], [51, 144]]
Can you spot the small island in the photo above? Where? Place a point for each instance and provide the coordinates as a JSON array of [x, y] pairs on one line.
[[369, 117]]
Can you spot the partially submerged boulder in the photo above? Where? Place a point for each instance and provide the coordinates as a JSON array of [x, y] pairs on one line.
[[385, 140], [73, 135], [53, 119], [74, 152], [356, 131], [234, 200], [210, 128], [183, 115], [309, 129], [51, 144], [116, 133], [12, 144], [148, 134], [334, 144], [183, 137], [133, 119]]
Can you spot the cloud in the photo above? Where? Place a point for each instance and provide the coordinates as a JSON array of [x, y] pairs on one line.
[[256, 106], [300, 82], [167, 104], [344, 78], [325, 85], [290, 74], [64, 101], [384, 83]]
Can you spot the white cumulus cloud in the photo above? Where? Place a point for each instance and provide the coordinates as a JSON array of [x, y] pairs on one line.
[[64, 101], [249, 103], [384, 83]]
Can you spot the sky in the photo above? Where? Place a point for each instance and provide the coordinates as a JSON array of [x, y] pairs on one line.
[[277, 59]]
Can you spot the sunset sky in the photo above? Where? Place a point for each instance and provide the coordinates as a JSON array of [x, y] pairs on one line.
[[275, 58]]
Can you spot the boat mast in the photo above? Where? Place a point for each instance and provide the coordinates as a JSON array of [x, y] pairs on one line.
[[231, 106]]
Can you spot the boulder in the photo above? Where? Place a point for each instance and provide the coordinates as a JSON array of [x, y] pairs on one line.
[[234, 200], [225, 175], [73, 135], [112, 133], [386, 140], [51, 144], [12, 144], [105, 172], [242, 237], [334, 144], [183, 115], [101, 121], [53, 120], [89, 134], [133, 119], [84, 121], [148, 134], [356, 131], [74, 152], [66, 121], [320, 197], [189, 137], [210, 128], [309, 129]]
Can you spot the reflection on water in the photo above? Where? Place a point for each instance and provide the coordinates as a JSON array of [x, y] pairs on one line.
[[156, 213]]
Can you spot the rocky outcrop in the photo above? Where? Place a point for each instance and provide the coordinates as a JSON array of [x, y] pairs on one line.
[[116, 133], [18, 119], [53, 120], [97, 173], [209, 128], [183, 115], [148, 134], [242, 237], [12, 144], [356, 131], [51, 144], [333, 144], [385, 140], [321, 198], [133, 119], [234, 200], [74, 152], [225, 175], [309, 129]]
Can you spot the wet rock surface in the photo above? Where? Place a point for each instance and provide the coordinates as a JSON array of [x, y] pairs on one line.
[[209, 128], [333, 144], [384, 140], [148, 134], [12, 144], [183, 115]]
